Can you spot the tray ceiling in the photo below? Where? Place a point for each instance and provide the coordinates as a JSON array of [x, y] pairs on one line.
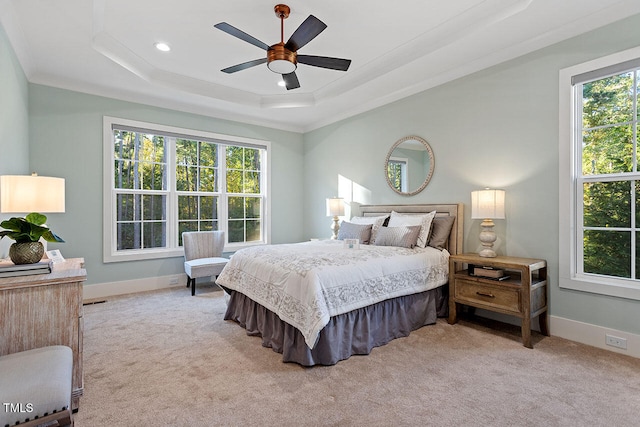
[[106, 47]]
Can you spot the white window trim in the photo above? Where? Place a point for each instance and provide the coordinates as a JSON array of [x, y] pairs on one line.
[[569, 245], [110, 253]]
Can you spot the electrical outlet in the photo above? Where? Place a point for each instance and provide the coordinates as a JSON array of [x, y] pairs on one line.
[[173, 281], [616, 341]]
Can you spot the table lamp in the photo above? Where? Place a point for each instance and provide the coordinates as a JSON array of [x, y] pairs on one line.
[[487, 205]]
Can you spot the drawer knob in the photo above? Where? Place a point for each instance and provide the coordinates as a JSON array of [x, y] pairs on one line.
[[483, 294]]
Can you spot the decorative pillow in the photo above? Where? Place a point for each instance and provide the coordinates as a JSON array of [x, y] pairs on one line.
[[349, 230], [424, 221], [440, 230], [375, 221], [403, 236]]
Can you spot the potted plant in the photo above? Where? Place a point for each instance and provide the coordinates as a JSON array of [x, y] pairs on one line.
[[27, 232]]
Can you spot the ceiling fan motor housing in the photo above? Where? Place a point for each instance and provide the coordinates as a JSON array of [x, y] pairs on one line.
[[281, 60]]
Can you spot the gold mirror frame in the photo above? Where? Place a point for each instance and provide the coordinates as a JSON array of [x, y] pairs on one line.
[[431, 165]]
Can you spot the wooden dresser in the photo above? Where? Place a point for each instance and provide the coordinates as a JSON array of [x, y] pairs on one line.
[[45, 309]]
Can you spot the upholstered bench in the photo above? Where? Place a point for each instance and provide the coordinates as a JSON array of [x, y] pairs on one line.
[[35, 387]]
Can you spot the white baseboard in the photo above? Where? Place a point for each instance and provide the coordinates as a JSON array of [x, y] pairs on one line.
[[104, 290], [593, 335]]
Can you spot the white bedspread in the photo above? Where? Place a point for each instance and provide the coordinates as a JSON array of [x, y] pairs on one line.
[[307, 283]]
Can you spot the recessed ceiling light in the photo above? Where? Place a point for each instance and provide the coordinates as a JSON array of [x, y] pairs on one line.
[[162, 47], [281, 83]]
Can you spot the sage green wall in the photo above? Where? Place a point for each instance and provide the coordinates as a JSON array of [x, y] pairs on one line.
[[66, 140], [14, 119], [496, 128]]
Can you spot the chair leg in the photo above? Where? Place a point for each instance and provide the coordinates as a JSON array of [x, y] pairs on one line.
[[193, 287]]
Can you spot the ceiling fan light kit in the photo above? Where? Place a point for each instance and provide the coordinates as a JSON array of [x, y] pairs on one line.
[[282, 58]]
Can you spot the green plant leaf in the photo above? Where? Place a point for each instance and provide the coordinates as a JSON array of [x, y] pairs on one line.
[[50, 236], [36, 218], [28, 229]]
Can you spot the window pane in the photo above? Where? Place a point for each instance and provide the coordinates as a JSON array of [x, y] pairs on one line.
[[152, 149], [236, 231], [234, 181], [186, 178], [153, 176], [207, 208], [236, 207], [251, 182], [185, 226], [607, 252], [607, 101], [186, 152], [154, 207], [252, 207], [129, 235], [607, 204], [127, 207], [208, 154], [197, 213], [208, 179], [252, 159], [122, 144], [394, 171], [253, 230], [155, 234], [607, 150], [187, 207], [234, 157]]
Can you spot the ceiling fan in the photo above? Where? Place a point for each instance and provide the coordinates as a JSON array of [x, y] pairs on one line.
[[282, 58]]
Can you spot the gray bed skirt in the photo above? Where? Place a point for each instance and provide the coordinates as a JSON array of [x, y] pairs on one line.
[[355, 332]]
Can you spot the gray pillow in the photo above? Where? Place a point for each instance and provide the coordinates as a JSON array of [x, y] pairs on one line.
[[349, 230], [404, 236], [440, 230]]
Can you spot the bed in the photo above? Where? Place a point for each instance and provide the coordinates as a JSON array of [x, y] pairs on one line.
[[320, 302]]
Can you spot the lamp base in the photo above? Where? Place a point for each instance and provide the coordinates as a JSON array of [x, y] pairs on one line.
[[487, 237], [335, 227], [487, 253]]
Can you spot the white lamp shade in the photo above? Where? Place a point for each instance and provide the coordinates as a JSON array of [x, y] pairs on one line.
[[335, 206], [31, 193], [487, 204]]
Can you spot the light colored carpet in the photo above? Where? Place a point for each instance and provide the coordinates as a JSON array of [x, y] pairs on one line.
[[166, 358]]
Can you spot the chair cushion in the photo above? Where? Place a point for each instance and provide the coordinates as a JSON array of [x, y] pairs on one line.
[[36, 382], [204, 267]]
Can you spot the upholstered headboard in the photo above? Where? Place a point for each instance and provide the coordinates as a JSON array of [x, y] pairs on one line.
[[455, 244]]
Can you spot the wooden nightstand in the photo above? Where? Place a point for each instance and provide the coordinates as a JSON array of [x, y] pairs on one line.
[[523, 294]]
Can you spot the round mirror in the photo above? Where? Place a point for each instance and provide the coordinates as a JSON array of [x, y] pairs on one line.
[[409, 165]]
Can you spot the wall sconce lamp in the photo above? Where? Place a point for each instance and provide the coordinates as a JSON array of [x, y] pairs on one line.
[[335, 208], [487, 205]]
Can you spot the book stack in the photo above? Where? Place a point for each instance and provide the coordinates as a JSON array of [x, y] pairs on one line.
[[9, 269], [488, 272]]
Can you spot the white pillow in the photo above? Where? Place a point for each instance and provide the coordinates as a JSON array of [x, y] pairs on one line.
[[423, 220], [375, 221]]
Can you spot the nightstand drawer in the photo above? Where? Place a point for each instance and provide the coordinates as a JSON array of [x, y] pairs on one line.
[[475, 293]]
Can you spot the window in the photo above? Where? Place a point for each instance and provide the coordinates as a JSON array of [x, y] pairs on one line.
[[161, 181], [397, 172], [600, 175]]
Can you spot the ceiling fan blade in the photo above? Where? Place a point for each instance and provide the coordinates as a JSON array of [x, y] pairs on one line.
[[291, 80], [325, 62], [230, 29], [244, 65], [306, 32]]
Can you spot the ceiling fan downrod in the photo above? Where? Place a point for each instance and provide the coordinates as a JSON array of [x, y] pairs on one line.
[[280, 59]]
